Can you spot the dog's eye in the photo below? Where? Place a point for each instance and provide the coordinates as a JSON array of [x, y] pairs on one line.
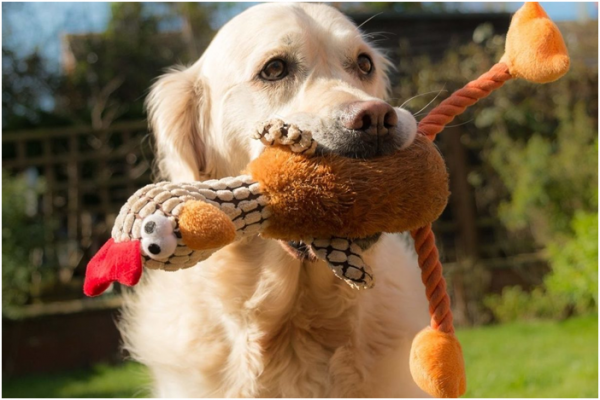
[[365, 65], [274, 70]]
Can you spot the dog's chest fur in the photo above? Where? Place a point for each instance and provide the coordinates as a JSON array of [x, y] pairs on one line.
[[252, 322]]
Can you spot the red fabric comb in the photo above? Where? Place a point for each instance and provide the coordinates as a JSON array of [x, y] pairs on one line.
[[120, 262]]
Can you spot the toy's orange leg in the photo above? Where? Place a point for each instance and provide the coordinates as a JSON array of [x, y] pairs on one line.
[[436, 360], [204, 226], [535, 49]]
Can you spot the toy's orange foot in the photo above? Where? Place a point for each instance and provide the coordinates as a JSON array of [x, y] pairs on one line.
[[436, 364], [535, 49], [204, 226]]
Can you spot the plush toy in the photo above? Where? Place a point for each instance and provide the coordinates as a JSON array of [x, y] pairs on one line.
[[329, 203], [321, 200]]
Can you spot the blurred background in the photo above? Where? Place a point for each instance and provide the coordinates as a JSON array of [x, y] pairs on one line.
[[519, 239]]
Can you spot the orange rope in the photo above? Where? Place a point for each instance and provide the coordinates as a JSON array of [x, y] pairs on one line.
[[463, 98], [430, 126], [431, 275]]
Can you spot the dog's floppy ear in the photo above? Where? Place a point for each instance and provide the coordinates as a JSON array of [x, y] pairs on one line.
[[176, 105]]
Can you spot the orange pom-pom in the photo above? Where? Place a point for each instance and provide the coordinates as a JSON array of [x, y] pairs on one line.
[[535, 49], [437, 365], [204, 226]]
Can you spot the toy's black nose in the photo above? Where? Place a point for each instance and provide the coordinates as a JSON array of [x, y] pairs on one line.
[[373, 117]]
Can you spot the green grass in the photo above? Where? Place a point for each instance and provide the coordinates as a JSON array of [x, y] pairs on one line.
[[524, 359], [533, 359]]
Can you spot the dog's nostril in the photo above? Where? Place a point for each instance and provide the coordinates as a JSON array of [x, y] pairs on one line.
[[390, 120], [366, 122]]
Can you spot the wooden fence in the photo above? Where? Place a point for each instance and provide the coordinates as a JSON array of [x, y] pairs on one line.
[[87, 176]]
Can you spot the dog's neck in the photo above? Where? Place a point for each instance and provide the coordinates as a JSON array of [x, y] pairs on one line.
[[265, 287]]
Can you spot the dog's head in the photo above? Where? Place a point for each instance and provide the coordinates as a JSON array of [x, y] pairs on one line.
[[306, 64]]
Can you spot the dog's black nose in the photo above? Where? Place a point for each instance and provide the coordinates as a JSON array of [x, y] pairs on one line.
[[373, 117]]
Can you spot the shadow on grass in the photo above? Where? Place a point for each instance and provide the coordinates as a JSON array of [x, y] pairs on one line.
[[102, 381]]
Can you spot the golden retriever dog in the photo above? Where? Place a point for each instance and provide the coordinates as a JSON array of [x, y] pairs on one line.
[[260, 318]]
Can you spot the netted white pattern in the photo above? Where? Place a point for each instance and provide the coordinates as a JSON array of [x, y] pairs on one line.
[[238, 197]]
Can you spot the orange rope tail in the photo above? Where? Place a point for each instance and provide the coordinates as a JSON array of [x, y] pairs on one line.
[[430, 126], [431, 275], [463, 98]]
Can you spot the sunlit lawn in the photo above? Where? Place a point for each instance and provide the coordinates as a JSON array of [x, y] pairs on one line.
[[527, 359], [533, 359]]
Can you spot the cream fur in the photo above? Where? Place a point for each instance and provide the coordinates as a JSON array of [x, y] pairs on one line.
[[251, 321]]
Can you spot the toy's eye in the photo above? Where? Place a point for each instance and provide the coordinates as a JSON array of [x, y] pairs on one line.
[[159, 248], [155, 226], [158, 239]]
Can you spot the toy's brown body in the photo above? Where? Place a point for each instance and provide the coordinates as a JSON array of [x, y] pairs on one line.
[[325, 196]]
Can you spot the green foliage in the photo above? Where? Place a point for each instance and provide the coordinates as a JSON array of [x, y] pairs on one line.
[[550, 176], [22, 234], [25, 85], [104, 76], [574, 264], [113, 70], [516, 304]]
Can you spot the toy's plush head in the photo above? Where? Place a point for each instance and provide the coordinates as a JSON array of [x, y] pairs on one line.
[[328, 195]]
